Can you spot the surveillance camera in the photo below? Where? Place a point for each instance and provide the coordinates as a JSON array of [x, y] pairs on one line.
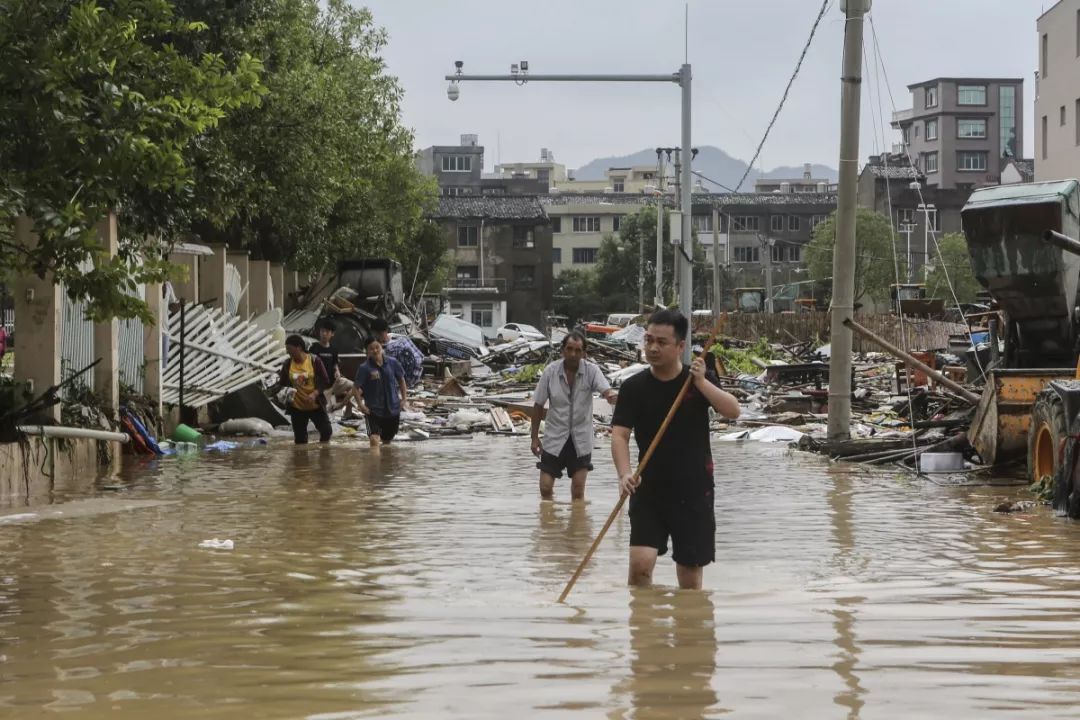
[[452, 91], [524, 66], [514, 69], [458, 64]]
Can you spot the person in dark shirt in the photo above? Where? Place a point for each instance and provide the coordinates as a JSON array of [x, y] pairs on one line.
[[380, 392], [401, 349], [674, 497], [329, 356]]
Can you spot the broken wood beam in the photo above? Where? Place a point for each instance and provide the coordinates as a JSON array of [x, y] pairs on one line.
[[912, 360]]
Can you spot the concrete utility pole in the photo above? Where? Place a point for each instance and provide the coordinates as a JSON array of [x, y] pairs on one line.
[[659, 299], [843, 297], [686, 286], [676, 261], [716, 294]]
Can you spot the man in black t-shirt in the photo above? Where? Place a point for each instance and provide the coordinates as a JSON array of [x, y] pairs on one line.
[[329, 356], [674, 497]]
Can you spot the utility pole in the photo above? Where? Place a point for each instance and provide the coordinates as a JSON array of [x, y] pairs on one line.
[[843, 297], [717, 298], [686, 286], [676, 261], [766, 247], [659, 299]]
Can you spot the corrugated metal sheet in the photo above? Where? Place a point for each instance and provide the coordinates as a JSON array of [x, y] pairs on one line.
[[76, 343]]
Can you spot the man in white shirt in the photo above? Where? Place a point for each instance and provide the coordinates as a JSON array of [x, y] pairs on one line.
[[567, 386]]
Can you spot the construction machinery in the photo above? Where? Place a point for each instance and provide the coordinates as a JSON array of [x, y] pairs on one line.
[[1023, 248]]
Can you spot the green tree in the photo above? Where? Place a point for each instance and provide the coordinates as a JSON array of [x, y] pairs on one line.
[[875, 259], [425, 261], [576, 296], [323, 169], [953, 264]]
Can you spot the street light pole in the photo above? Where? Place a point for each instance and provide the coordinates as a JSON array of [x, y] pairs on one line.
[[519, 75]]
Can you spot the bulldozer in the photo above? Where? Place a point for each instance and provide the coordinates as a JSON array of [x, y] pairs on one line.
[[1023, 248]]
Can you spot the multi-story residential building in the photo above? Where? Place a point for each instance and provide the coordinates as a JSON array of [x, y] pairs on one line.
[[959, 130], [1057, 93], [458, 169], [889, 185], [579, 223], [761, 233], [806, 184], [633, 180], [501, 247], [547, 170]]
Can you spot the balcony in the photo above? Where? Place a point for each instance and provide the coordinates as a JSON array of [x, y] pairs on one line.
[[493, 286]]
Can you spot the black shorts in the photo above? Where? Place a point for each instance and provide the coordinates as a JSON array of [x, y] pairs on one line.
[[385, 427], [691, 524], [567, 460]]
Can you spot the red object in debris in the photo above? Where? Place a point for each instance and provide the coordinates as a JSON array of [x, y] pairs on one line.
[[3, 342]]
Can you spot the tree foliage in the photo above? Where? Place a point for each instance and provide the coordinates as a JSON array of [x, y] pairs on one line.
[[876, 264], [99, 110], [323, 168], [952, 266], [576, 295], [425, 261]]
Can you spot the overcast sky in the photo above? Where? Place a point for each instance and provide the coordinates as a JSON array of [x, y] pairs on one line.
[[742, 52]]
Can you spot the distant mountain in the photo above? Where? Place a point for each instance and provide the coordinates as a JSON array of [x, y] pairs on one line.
[[711, 162]]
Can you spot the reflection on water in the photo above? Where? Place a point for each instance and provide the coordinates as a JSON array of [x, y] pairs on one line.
[[419, 582]]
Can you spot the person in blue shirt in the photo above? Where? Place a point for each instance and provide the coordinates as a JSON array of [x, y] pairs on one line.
[[381, 393]]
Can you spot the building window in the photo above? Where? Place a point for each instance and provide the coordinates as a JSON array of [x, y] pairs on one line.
[[816, 220], [1007, 120], [468, 236], [616, 223], [584, 256], [931, 99], [777, 253], [1061, 119], [524, 276], [617, 186], [907, 134], [455, 191], [746, 255], [457, 163], [556, 224], [1043, 137], [794, 253], [1044, 53], [703, 223], [971, 128], [776, 223], [586, 223], [930, 163], [971, 95], [916, 126], [904, 217], [745, 223], [971, 161], [482, 315], [523, 237], [931, 129], [467, 272], [556, 256], [793, 223]]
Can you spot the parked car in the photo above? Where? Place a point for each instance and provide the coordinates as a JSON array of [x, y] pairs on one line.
[[512, 331]]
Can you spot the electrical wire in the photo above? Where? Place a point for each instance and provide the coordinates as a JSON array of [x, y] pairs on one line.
[[798, 66]]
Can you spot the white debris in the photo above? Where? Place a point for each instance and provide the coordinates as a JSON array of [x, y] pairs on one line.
[[215, 544]]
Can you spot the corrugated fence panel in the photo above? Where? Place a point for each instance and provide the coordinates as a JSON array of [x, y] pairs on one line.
[[131, 348], [791, 329], [76, 343]]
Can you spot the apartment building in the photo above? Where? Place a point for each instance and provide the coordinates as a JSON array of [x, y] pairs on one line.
[[579, 223], [1057, 93], [960, 132], [501, 247], [805, 184]]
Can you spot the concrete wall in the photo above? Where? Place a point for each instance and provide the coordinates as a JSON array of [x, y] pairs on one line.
[[38, 323], [1057, 149], [72, 464], [566, 239]]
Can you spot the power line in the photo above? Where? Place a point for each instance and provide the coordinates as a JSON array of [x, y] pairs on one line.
[[710, 180], [798, 66]]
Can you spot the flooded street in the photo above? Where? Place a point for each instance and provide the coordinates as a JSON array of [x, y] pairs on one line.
[[420, 583]]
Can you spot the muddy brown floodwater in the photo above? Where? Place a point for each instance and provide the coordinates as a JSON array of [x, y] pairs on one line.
[[420, 583]]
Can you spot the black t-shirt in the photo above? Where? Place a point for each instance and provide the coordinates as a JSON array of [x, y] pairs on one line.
[[328, 356], [681, 466]]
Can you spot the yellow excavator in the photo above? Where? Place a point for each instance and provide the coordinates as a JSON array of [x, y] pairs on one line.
[[1024, 251]]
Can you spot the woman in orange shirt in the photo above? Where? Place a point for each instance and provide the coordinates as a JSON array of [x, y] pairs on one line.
[[305, 375]]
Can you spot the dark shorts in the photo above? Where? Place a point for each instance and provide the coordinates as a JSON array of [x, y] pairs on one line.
[[385, 427], [567, 460], [691, 525]]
